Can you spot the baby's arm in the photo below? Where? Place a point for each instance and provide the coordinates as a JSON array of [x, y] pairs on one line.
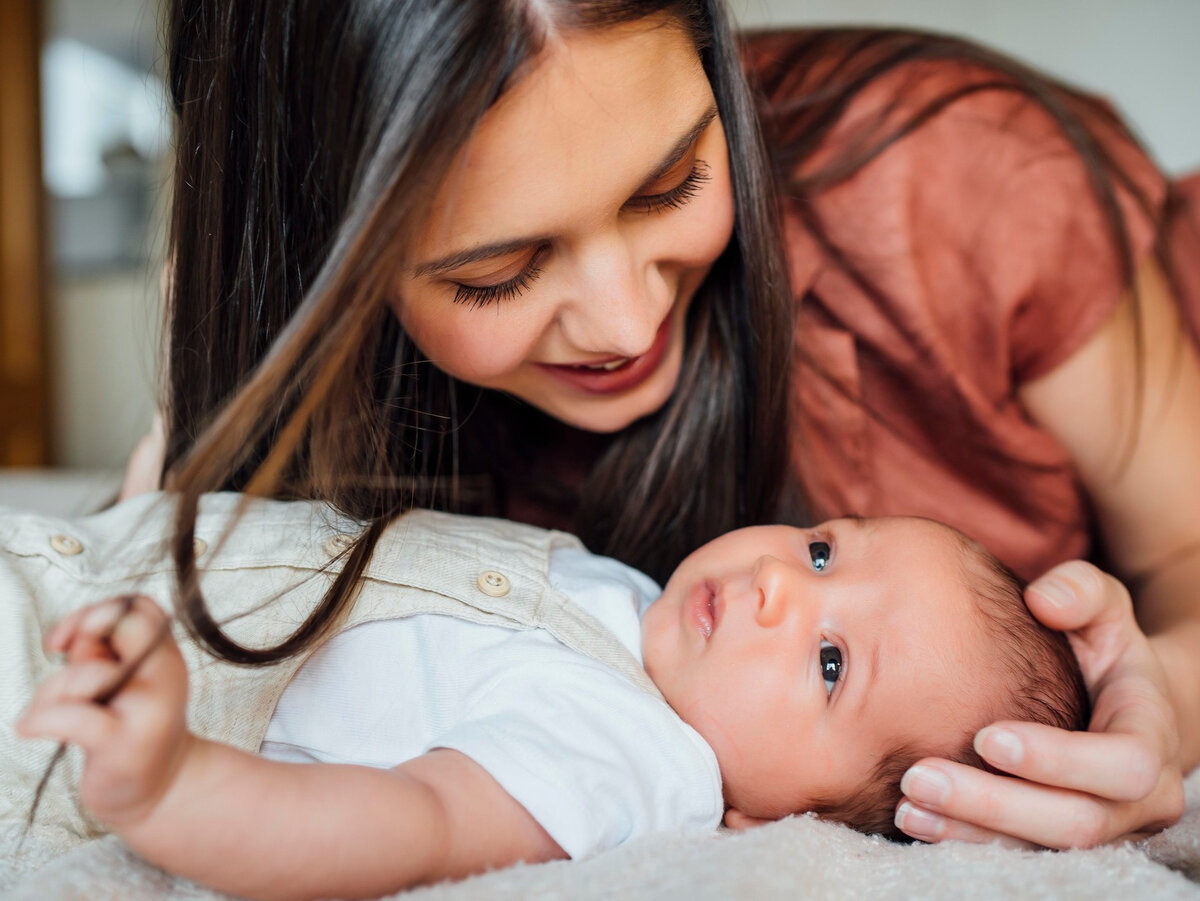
[[249, 826]]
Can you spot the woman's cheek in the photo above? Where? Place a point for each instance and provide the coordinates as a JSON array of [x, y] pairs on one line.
[[476, 346], [701, 232]]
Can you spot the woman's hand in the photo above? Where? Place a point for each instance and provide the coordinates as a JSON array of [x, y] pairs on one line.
[[1119, 780], [122, 697], [143, 472]]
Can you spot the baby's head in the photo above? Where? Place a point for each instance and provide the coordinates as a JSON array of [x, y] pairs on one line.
[[821, 663]]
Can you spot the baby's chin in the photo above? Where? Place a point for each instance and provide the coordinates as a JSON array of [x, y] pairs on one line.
[[660, 632], [757, 806]]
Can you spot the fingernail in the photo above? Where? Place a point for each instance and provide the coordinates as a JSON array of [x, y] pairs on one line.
[[1056, 591], [920, 824], [926, 785], [999, 747]]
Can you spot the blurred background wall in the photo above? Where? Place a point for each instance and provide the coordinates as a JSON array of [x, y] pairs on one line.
[[1142, 54], [105, 140], [105, 164]]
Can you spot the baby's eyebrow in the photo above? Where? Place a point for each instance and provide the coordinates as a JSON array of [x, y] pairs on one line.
[[871, 678]]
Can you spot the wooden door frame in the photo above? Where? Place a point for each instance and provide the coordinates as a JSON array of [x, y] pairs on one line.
[[24, 369]]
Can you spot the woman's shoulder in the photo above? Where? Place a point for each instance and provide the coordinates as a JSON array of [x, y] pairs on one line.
[[838, 92], [941, 170]]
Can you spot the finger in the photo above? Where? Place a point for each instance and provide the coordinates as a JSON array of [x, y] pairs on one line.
[[81, 724], [59, 637], [1110, 765], [1077, 594], [101, 618], [927, 826], [1047, 816], [141, 627], [82, 682]]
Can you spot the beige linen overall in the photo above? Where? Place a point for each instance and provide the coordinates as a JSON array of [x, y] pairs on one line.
[[263, 579]]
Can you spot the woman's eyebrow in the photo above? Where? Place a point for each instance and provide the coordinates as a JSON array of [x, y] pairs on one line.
[[503, 248], [475, 254], [680, 147]]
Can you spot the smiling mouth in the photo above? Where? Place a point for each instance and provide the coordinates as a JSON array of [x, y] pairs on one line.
[[610, 366], [616, 374]]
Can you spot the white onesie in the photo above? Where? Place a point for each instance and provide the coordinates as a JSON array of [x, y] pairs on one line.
[[508, 643], [593, 758]]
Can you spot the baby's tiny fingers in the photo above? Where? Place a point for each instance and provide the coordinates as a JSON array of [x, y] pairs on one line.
[[143, 624], [86, 725], [102, 618], [79, 682], [58, 639]]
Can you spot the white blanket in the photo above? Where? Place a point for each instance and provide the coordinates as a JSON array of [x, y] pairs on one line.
[[798, 857]]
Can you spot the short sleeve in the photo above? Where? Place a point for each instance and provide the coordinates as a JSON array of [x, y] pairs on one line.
[[980, 227], [595, 760], [1051, 254]]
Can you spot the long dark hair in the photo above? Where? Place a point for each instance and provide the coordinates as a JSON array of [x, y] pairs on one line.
[[311, 137]]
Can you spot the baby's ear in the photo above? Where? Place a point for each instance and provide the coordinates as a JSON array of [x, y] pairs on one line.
[[736, 820]]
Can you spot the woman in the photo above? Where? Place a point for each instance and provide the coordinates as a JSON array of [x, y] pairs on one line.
[[505, 258]]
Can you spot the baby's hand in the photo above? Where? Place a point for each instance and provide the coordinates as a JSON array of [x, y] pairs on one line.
[[122, 698]]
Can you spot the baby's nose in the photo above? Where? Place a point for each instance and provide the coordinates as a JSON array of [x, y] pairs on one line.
[[778, 591]]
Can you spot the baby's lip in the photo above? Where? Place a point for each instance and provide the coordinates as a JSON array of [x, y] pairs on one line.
[[715, 605], [704, 608]]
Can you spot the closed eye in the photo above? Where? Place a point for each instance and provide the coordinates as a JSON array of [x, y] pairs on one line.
[[481, 295], [675, 198]]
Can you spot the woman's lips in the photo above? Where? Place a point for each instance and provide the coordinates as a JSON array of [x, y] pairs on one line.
[[703, 609], [617, 373]]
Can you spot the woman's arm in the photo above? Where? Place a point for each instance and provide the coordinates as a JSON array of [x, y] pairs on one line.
[[143, 472], [1130, 416], [242, 824], [1127, 407]]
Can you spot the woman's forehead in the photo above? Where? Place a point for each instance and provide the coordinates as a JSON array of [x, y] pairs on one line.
[[578, 132]]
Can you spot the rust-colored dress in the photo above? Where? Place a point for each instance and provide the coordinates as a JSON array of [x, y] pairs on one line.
[[992, 265]]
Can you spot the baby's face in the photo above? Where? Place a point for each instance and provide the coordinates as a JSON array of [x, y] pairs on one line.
[[804, 656]]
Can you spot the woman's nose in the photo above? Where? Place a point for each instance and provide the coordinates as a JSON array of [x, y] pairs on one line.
[[619, 304], [778, 586]]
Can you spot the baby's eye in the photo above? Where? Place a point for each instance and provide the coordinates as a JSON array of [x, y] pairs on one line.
[[831, 665], [820, 553]]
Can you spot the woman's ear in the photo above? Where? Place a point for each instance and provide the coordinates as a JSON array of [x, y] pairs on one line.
[[736, 820]]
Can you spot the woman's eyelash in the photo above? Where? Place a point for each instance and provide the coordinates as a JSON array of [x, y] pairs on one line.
[[678, 196], [481, 296], [477, 297]]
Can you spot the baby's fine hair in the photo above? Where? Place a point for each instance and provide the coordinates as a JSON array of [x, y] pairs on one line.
[[1040, 682]]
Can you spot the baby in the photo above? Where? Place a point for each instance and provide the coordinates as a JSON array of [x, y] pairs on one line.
[[816, 665]]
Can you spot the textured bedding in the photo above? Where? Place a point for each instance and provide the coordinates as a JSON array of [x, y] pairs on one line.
[[797, 857]]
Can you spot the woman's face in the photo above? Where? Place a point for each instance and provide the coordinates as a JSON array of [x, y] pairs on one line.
[[574, 227]]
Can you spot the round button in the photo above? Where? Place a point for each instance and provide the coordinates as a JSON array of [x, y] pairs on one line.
[[66, 545], [493, 584], [199, 546], [338, 544]]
